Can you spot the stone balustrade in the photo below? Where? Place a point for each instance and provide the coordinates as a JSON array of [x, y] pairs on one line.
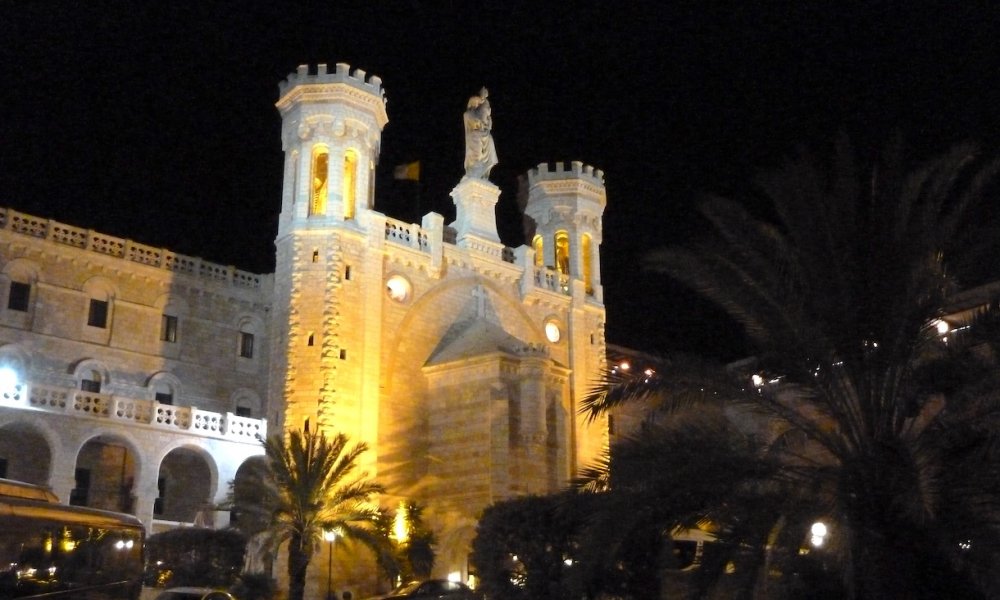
[[115, 247], [134, 412]]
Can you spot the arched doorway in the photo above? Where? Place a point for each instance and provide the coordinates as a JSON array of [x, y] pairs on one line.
[[105, 475], [185, 486]]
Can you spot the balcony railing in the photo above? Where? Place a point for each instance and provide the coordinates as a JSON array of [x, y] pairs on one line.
[[134, 412]]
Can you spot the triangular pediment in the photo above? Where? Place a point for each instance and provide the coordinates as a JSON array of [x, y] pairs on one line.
[[473, 338]]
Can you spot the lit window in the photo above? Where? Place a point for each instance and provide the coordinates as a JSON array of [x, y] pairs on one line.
[[246, 344], [538, 245], [350, 183], [585, 250], [320, 179], [97, 316], [168, 329], [562, 252], [18, 297]]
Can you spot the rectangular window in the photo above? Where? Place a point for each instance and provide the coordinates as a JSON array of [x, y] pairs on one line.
[[246, 344], [168, 329], [3, 468], [243, 411], [164, 398], [90, 385], [19, 295], [98, 314]]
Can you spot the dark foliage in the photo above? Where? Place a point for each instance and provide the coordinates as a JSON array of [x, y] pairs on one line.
[[194, 556], [870, 420]]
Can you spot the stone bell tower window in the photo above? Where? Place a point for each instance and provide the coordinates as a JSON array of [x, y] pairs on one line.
[[320, 180], [585, 251], [562, 252], [350, 183], [538, 245]]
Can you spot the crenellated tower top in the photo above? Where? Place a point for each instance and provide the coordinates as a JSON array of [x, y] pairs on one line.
[[573, 170], [322, 85], [575, 179]]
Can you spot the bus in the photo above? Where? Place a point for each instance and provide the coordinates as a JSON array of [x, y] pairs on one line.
[[54, 551]]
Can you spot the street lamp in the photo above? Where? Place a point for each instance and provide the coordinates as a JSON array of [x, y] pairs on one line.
[[329, 535], [818, 531]]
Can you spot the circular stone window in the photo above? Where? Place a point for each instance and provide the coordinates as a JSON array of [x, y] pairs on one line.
[[398, 288], [552, 331]]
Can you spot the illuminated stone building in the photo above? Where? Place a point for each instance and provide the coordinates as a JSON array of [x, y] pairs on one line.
[[137, 378]]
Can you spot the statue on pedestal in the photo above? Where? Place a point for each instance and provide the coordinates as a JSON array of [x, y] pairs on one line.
[[480, 153]]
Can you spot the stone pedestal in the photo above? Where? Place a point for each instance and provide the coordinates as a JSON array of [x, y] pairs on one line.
[[475, 215]]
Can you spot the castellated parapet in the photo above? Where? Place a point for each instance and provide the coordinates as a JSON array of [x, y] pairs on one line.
[[305, 75], [574, 170], [342, 86]]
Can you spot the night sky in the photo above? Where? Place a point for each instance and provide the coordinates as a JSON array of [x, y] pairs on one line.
[[158, 123]]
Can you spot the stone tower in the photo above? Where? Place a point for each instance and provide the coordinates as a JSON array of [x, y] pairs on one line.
[[331, 131], [567, 204]]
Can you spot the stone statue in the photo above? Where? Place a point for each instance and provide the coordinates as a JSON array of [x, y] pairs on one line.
[[480, 153]]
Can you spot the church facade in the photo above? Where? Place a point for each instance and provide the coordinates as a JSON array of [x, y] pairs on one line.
[[137, 379]]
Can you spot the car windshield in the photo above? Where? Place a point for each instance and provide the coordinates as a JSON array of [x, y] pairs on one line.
[[404, 589]]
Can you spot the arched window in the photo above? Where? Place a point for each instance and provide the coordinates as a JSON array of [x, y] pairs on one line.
[[562, 252], [538, 245], [350, 183], [164, 387], [585, 250], [320, 180]]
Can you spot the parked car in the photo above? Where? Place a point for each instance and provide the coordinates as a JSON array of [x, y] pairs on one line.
[[432, 588], [194, 593]]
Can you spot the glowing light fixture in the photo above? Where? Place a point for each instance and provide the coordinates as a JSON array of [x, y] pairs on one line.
[[552, 332], [819, 532], [455, 576], [398, 288], [8, 379]]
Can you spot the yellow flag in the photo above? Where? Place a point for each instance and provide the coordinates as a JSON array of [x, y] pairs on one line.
[[410, 171]]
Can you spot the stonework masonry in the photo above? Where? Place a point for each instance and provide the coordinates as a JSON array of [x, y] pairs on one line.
[[460, 362]]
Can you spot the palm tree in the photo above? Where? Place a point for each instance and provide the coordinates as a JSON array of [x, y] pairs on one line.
[[316, 490], [838, 289]]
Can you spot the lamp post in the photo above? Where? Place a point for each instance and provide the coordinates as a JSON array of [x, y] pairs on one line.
[[329, 535]]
